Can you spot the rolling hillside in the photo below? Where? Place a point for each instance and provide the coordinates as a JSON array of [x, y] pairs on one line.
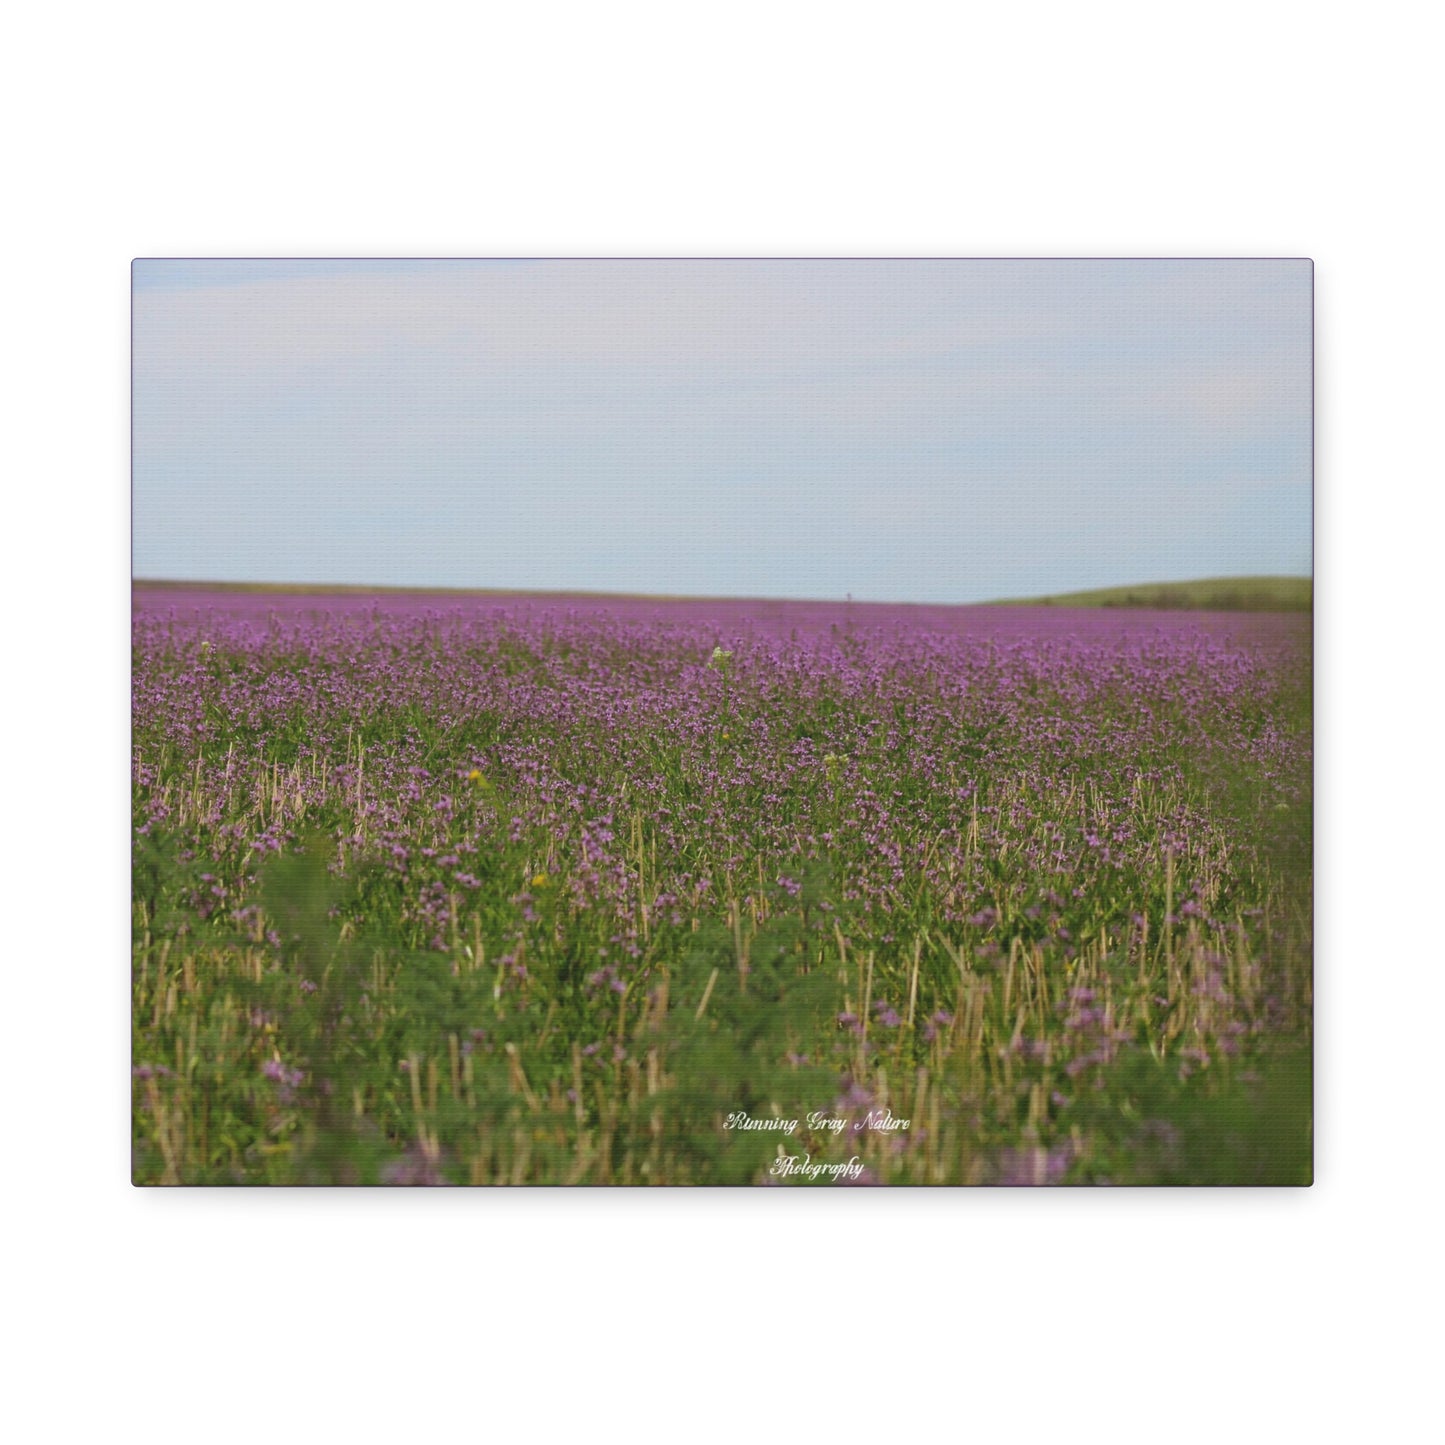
[[1213, 594]]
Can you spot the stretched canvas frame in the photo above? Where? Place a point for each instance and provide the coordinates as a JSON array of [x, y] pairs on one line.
[[442, 879]]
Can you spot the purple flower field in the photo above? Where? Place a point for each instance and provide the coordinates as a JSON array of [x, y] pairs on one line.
[[460, 889]]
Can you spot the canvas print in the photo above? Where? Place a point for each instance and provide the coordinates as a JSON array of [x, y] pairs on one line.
[[794, 723]]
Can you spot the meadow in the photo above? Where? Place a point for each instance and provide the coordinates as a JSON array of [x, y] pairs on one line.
[[545, 891]]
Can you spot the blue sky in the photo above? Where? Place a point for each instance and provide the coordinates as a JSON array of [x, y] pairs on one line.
[[943, 431]]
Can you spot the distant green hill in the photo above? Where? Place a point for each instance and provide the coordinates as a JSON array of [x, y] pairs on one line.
[[1213, 594]]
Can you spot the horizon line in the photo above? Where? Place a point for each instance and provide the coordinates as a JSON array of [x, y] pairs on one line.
[[362, 588]]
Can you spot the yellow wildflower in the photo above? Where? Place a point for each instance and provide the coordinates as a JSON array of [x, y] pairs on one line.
[[541, 880]]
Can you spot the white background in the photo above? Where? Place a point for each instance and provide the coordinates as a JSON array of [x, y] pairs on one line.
[[802, 129]]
